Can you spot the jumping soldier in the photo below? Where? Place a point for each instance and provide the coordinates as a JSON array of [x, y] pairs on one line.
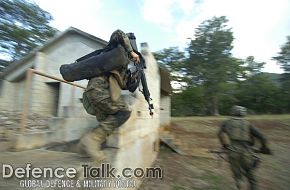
[[103, 96], [237, 137]]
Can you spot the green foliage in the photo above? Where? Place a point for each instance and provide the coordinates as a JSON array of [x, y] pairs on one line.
[[284, 56], [23, 26], [283, 59], [252, 66], [285, 92], [3, 64], [215, 80], [210, 61], [190, 102], [259, 94], [173, 59]]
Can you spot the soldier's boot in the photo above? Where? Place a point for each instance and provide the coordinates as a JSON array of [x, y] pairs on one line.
[[90, 144], [252, 180]]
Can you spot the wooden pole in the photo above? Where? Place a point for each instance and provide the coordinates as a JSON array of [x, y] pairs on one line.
[[55, 78]]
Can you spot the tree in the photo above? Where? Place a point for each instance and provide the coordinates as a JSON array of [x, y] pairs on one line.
[[23, 26], [173, 59], [189, 102], [260, 94], [3, 64], [283, 59], [210, 62], [252, 66]]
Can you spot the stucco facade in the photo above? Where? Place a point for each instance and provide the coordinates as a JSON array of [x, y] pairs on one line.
[[48, 97], [137, 140]]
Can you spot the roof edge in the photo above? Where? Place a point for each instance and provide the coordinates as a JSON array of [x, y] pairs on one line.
[[49, 42]]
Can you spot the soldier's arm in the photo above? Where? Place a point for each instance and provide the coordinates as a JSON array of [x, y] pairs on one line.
[[125, 42], [223, 137], [264, 144], [257, 134]]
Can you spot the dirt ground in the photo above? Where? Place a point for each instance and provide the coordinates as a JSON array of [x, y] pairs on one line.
[[194, 172]]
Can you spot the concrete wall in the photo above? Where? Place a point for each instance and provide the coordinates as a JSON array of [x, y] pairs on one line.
[[62, 130], [65, 51], [73, 47], [137, 140], [6, 98], [12, 90], [165, 112], [12, 94], [43, 95]]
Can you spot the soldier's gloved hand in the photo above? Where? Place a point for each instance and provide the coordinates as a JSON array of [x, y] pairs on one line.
[[265, 150]]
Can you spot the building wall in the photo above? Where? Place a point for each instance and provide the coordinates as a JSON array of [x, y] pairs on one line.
[[12, 96], [137, 140], [13, 89], [65, 51], [6, 98], [42, 95], [165, 112]]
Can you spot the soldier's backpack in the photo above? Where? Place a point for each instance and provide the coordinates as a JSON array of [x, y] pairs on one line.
[[238, 129], [88, 105], [96, 65]]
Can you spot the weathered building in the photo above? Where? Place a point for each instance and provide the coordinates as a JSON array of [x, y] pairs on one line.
[[136, 140]]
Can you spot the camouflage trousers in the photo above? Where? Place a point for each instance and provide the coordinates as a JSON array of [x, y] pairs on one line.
[[110, 114], [243, 164]]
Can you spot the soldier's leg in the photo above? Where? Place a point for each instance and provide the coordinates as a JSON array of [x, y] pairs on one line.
[[236, 169], [110, 115], [248, 167], [118, 113], [90, 144], [252, 180]]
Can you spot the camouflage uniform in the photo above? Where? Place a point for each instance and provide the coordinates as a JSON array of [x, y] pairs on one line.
[[110, 113], [237, 136]]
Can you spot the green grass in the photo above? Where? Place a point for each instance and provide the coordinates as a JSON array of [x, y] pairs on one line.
[[216, 181], [178, 187], [197, 118], [268, 117], [275, 117]]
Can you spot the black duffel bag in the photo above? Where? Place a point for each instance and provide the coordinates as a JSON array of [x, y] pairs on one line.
[[95, 65]]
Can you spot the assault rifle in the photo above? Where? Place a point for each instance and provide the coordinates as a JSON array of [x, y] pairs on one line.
[[221, 152], [139, 68]]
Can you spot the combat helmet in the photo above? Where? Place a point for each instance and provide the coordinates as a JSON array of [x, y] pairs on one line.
[[239, 111]]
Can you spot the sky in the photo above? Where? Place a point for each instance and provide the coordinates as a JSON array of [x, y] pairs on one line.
[[259, 27]]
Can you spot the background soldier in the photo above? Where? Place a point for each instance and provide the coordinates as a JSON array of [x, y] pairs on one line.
[[103, 95], [237, 137]]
